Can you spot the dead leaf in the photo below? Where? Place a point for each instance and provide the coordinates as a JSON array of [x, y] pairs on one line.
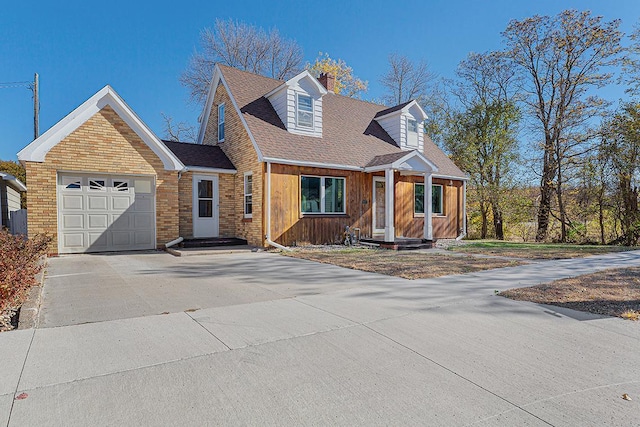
[[22, 396], [626, 396]]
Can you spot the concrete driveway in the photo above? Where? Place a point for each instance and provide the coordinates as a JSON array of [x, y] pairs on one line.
[[280, 341]]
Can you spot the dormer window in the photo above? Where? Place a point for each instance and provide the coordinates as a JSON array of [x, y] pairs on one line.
[[412, 126], [304, 112]]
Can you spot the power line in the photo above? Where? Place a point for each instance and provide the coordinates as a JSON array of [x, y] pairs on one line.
[[16, 84]]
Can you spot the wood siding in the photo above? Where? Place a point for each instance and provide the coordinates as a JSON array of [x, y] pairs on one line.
[[290, 227]]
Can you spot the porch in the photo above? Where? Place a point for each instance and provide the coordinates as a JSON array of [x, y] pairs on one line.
[[398, 244]]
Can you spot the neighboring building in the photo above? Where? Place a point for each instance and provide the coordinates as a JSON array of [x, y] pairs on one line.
[[10, 189], [276, 162]]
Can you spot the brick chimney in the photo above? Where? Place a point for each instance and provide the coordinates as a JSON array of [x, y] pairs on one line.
[[328, 81]]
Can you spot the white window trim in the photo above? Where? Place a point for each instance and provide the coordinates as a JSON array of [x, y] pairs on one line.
[[420, 215], [417, 214], [298, 125], [245, 194], [221, 122], [441, 213], [322, 195]]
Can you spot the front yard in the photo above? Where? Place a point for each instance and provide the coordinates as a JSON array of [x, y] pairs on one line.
[[406, 264], [609, 292], [534, 251]]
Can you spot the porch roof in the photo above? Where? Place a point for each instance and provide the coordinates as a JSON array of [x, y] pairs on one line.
[[405, 161]]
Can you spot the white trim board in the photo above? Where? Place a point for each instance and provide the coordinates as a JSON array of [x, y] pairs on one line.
[[37, 150]]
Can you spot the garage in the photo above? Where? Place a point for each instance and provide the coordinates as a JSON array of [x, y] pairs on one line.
[[98, 213]]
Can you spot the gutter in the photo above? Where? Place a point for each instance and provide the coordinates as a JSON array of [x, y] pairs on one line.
[[268, 236]]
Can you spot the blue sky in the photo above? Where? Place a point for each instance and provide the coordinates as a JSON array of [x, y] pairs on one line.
[[141, 47]]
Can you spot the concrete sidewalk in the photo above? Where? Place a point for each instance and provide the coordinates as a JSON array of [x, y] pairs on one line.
[[331, 347]]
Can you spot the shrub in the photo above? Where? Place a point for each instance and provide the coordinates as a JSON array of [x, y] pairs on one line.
[[19, 264]]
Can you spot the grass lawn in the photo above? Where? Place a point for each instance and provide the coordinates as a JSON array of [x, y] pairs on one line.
[[535, 250], [614, 292], [406, 264]]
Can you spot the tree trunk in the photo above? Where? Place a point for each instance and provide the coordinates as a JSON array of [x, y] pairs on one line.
[[546, 193], [601, 213], [483, 211], [497, 220]]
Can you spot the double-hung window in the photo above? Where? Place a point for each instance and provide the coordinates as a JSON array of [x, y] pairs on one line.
[[248, 195], [305, 111], [436, 199], [322, 195], [412, 126], [221, 123]]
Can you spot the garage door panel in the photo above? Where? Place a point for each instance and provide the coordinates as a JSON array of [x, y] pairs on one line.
[[98, 221], [121, 202], [98, 240], [73, 221], [105, 213], [121, 222], [142, 221], [97, 203], [143, 204], [73, 240], [72, 202], [121, 238], [143, 237]]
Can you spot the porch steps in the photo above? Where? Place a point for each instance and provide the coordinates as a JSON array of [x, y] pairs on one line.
[[212, 242], [399, 244]]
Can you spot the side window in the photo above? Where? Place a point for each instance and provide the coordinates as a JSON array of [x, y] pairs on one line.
[[221, 123], [248, 195], [324, 195], [418, 196], [436, 199]]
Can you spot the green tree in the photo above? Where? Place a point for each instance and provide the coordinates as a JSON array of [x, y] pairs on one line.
[[621, 143], [482, 134], [346, 83], [561, 60]]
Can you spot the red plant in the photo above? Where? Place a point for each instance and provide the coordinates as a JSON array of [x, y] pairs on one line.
[[19, 263]]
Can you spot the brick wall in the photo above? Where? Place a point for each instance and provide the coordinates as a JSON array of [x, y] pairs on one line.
[[103, 144], [185, 200], [239, 148]]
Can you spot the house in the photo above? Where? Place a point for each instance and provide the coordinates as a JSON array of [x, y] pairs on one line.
[[10, 190], [276, 163]]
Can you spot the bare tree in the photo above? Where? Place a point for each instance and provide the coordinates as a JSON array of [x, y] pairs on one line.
[[631, 63], [562, 59], [405, 80], [242, 46], [178, 132]]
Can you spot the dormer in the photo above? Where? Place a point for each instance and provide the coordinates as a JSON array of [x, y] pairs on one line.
[[298, 102], [404, 123]]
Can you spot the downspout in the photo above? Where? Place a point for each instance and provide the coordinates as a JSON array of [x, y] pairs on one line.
[[464, 212], [268, 236]]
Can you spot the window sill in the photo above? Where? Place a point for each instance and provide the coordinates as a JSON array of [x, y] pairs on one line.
[[247, 219], [323, 215]]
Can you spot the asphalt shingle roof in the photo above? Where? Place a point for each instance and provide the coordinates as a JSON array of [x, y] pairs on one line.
[[205, 156], [350, 134]]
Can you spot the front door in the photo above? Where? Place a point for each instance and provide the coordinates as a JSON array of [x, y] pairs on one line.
[[205, 206], [378, 198]]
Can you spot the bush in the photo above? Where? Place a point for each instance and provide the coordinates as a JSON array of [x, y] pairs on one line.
[[19, 264]]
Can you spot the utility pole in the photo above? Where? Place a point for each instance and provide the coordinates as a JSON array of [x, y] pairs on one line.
[[36, 108], [34, 87]]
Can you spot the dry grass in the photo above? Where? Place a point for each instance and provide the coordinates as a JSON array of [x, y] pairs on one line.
[[409, 264], [535, 251], [614, 292]]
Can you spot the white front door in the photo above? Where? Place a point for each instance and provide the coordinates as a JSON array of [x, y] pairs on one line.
[[205, 206], [379, 205]]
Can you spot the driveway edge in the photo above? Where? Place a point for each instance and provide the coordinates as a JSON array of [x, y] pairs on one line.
[[29, 310]]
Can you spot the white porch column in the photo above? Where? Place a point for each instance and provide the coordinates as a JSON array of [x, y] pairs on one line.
[[428, 195], [389, 217]]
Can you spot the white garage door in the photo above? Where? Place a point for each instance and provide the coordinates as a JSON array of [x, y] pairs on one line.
[[98, 213]]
